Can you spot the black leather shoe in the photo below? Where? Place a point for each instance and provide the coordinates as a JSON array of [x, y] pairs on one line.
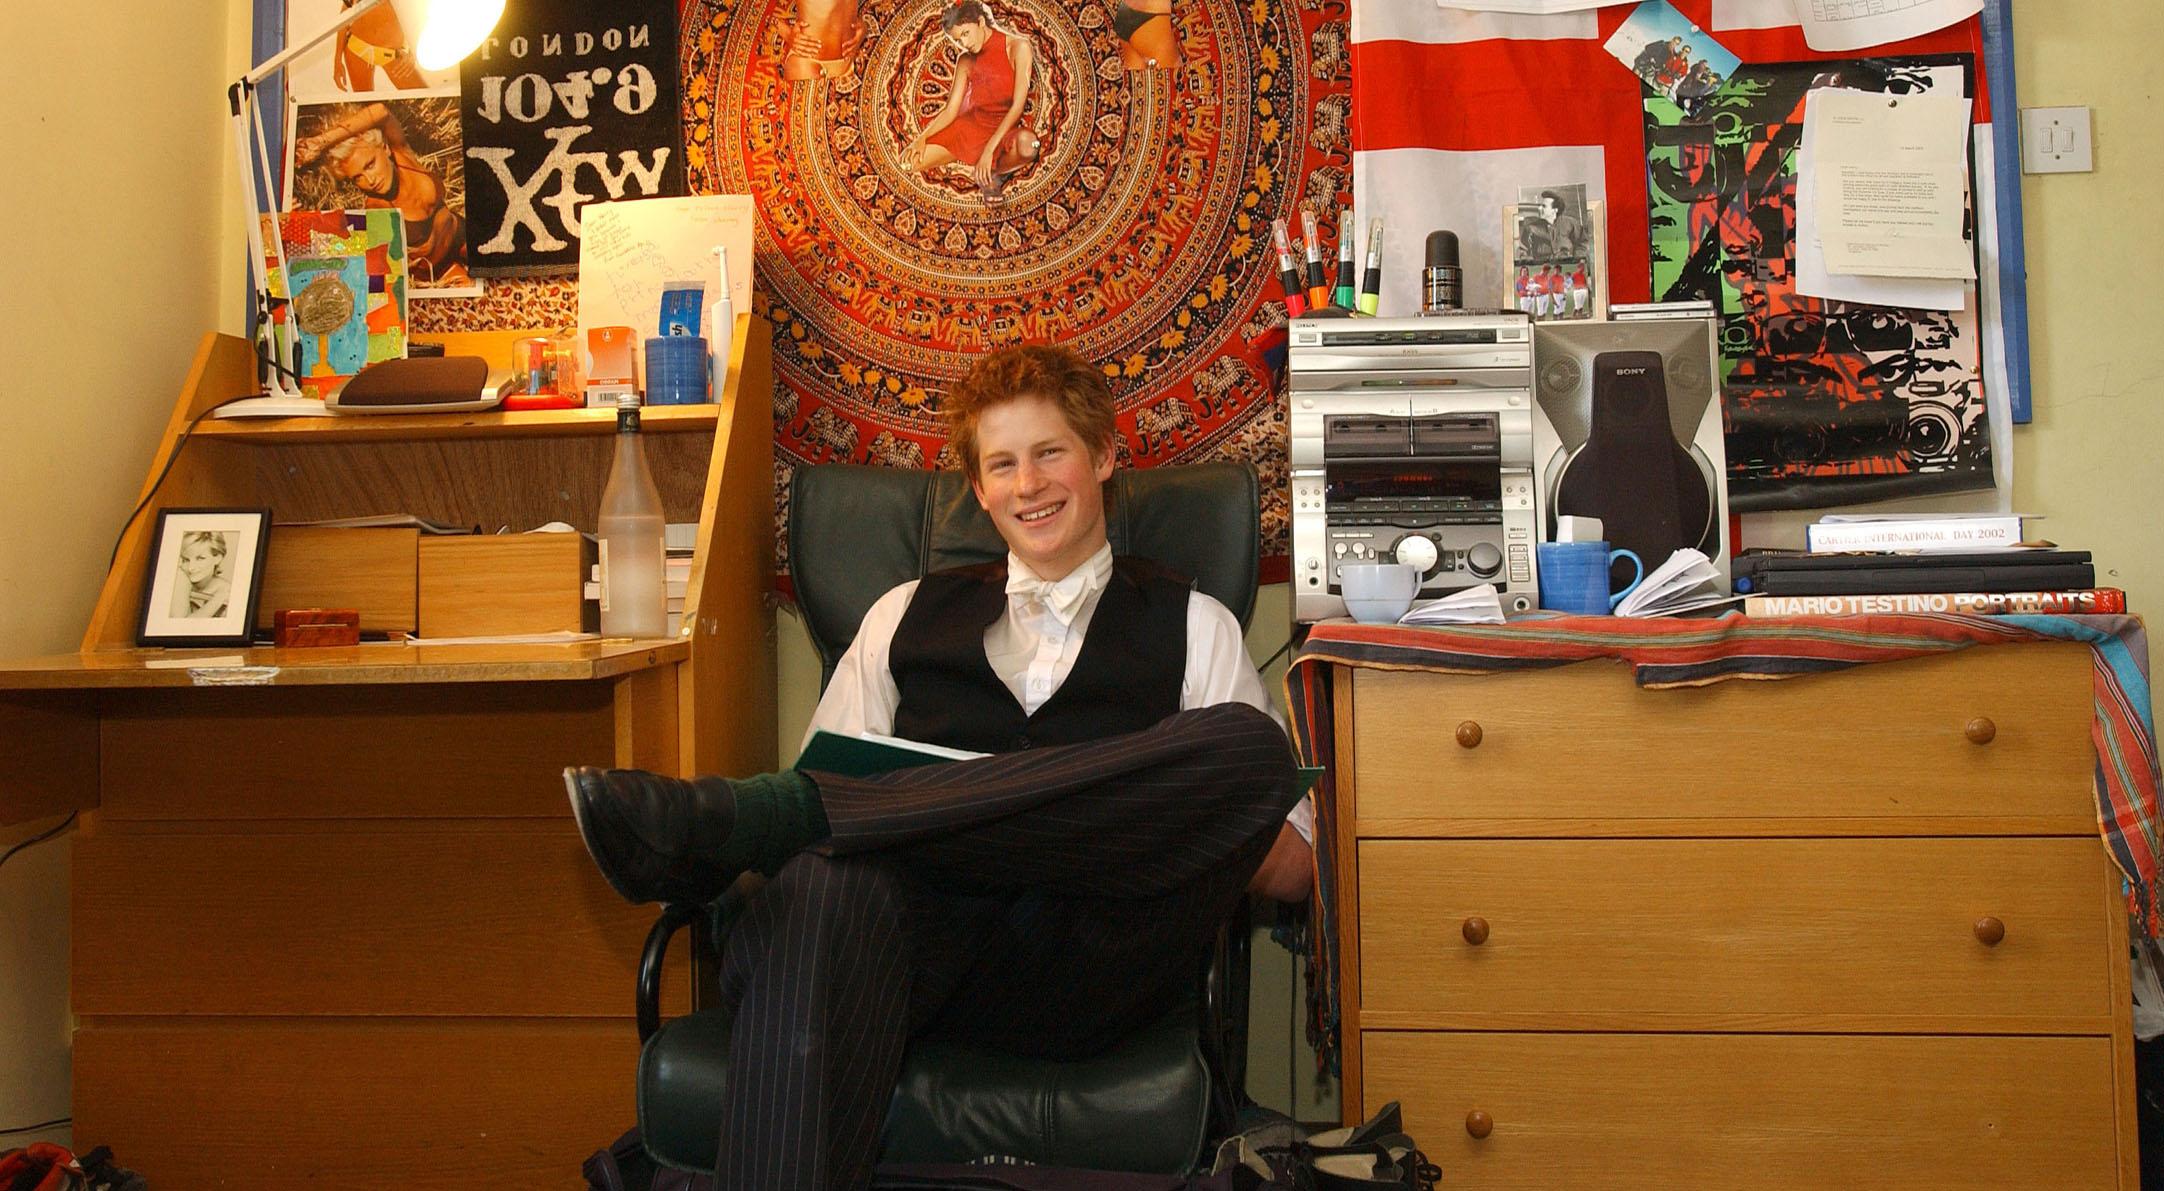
[[654, 837]]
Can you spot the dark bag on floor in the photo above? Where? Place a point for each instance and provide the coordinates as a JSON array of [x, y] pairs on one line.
[[43, 1166], [1374, 1154]]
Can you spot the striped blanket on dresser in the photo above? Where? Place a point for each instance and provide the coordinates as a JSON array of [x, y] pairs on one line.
[[1674, 653]]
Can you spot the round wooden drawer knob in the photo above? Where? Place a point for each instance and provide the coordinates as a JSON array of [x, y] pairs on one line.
[[1479, 1124], [1989, 931], [1980, 730], [1469, 735], [1475, 931]]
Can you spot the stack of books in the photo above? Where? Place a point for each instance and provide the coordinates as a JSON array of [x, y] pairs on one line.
[[1867, 565]]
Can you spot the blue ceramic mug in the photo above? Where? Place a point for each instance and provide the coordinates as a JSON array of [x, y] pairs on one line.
[[1574, 577]]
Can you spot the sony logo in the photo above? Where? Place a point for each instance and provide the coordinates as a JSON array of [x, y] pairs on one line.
[[1632, 371]]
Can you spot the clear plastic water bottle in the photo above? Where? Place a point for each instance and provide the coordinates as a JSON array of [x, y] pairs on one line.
[[634, 597]]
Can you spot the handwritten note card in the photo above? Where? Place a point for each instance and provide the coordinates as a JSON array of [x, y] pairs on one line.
[[629, 250]]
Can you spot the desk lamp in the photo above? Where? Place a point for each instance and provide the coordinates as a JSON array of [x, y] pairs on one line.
[[449, 30]]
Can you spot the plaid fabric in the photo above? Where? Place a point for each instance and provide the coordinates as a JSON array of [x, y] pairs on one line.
[[1676, 653]]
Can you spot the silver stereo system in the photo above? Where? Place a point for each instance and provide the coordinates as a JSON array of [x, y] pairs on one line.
[[1628, 429], [1412, 441]]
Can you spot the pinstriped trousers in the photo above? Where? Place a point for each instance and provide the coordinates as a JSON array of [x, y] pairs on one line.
[[1046, 902]]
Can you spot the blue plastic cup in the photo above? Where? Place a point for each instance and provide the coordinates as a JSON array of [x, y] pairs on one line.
[[1574, 577], [676, 370]]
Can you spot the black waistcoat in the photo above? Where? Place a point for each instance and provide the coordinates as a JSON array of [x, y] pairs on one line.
[[1126, 678]]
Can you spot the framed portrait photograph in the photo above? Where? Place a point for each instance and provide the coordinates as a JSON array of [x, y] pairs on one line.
[[1555, 254], [204, 577]]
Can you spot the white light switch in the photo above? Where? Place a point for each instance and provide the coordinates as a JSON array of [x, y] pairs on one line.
[[2056, 141]]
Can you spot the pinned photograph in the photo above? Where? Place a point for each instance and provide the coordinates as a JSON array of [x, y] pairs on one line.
[[1672, 56], [204, 577], [1551, 222], [370, 54], [983, 131], [1149, 38], [406, 154]]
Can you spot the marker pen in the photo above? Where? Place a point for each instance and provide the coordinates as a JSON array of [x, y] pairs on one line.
[[1371, 281], [1287, 274], [1318, 286], [1348, 273]]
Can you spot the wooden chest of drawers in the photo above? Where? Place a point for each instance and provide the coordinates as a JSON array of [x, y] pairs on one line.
[[1844, 930]]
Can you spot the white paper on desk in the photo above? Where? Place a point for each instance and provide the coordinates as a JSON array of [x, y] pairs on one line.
[[1893, 183], [560, 637], [1481, 604], [1856, 24], [1813, 278]]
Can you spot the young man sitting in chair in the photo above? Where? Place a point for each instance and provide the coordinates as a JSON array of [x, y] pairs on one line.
[[1048, 900]]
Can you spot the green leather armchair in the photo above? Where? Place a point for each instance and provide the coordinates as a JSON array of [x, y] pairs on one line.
[[1147, 1105]]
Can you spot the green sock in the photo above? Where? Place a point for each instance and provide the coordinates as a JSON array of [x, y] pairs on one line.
[[777, 816]]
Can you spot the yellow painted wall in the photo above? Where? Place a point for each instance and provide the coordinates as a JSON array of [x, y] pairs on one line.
[[115, 199], [2093, 461]]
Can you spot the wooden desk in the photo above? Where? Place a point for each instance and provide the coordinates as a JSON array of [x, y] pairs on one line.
[[1603, 937], [337, 929], [333, 925]]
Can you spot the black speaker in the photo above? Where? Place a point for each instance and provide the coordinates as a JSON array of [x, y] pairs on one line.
[[1627, 428], [1631, 473]]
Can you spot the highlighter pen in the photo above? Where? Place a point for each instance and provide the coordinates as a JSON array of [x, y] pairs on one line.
[[1371, 281], [1318, 286], [1348, 273], [1287, 275]]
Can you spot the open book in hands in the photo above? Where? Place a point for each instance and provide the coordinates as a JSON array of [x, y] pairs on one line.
[[870, 753], [1686, 582]]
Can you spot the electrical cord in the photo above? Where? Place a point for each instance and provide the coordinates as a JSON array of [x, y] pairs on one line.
[[1273, 657], [8, 855], [178, 443], [40, 1127], [264, 358]]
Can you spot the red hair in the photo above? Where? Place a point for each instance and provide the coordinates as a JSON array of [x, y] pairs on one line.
[[1057, 374]]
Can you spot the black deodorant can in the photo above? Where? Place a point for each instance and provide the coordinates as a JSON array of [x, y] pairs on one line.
[[1442, 283]]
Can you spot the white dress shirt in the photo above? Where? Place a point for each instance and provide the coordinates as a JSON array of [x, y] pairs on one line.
[[1033, 647]]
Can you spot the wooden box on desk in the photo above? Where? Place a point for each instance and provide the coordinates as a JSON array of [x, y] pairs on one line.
[[497, 584], [369, 570]]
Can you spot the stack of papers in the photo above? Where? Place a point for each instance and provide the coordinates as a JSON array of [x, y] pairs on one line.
[[1686, 582], [1882, 199], [1474, 605]]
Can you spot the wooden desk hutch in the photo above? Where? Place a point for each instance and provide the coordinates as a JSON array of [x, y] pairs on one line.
[[332, 924]]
